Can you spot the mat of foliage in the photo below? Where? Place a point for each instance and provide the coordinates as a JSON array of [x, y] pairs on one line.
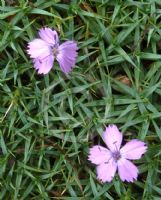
[[48, 123]]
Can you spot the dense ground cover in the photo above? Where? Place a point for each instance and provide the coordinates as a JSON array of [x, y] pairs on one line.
[[48, 123]]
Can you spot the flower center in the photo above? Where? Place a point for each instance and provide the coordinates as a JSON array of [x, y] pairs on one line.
[[116, 155], [55, 51]]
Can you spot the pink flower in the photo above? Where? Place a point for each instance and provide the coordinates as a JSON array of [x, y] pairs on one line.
[[45, 49], [113, 158]]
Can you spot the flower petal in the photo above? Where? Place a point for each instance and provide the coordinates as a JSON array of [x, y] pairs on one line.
[[99, 154], [44, 65], [106, 171], [127, 170], [49, 36], [112, 137], [133, 149], [67, 53], [37, 48]]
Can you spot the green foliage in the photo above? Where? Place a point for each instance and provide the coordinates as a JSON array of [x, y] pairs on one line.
[[48, 123]]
